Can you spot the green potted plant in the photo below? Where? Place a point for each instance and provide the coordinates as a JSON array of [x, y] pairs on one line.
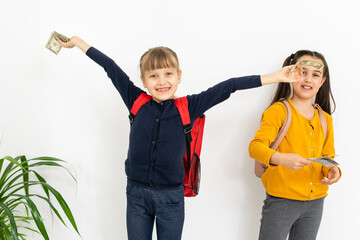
[[18, 211]]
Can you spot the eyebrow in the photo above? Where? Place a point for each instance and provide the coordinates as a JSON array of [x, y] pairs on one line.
[[314, 71]]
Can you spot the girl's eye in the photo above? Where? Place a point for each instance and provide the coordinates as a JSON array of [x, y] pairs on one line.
[[316, 75], [152, 76], [169, 73]]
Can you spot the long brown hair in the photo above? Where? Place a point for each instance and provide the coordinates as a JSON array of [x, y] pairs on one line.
[[324, 94]]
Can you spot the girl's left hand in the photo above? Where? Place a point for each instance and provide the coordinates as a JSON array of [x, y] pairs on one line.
[[333, 176], [282, 75], [289, 73]]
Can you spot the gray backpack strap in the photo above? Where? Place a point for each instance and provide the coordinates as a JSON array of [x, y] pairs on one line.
[[284, 128], [322, 119]]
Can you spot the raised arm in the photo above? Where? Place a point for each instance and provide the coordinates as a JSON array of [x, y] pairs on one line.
[[128, 91]]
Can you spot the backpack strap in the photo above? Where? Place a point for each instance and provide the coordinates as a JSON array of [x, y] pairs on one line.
[[182, 106], [284, 128], [259, 167], [322, 119], [139, 102]]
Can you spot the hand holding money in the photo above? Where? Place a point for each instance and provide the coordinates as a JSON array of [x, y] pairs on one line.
[[304, 62], [325, 160], [281, 75], [74, 41], [66, 44], [53, 44]]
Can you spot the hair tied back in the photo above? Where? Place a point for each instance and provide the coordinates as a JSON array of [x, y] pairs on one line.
[[291, 57]]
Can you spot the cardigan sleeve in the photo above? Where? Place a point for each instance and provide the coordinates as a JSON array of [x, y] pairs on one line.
[[329, 148], [200, 103], [272, 120], [128, 91]]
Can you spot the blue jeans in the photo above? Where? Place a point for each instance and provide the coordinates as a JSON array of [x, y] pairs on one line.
[[145, 205], [281, 217]]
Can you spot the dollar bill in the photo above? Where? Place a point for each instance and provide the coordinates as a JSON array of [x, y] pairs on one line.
[[310, 63], [325, 160], [53, 44]]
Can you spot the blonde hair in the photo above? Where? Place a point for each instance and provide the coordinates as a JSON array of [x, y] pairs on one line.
[[157, 58]]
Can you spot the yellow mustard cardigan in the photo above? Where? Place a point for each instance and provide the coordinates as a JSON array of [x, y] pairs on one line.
[[304, 137]]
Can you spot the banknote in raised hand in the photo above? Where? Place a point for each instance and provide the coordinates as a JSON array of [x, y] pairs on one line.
[[53, 44], [311, 63]]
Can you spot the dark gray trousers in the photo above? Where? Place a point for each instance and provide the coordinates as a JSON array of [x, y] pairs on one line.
[[281, 216]]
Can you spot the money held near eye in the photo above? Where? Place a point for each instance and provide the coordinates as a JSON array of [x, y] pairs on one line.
[[53, 44], [310, 63]]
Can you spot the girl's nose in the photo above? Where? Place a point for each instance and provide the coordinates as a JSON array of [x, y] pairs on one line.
[[162, 80], [307, 78]]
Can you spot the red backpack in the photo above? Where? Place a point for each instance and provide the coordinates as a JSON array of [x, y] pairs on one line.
[[193, 141]]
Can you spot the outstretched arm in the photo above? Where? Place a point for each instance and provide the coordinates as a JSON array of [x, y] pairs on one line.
[[128, 91], [75, 41]]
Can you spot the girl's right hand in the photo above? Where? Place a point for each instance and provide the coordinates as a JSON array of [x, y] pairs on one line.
[[68, 44], [75, 41], [290, 160]]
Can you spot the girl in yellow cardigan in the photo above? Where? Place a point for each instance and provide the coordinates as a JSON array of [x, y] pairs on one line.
[[296, 187]]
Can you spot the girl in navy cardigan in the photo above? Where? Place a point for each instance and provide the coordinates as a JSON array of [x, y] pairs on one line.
[[154, 165]]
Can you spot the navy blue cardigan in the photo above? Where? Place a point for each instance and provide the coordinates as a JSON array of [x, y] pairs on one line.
[[157, 140]]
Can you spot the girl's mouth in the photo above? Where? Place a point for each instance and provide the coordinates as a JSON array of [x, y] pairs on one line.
[[306, 87], [163, 89]]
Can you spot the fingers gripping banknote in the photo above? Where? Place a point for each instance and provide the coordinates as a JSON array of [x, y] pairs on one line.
[[53, 44], [325, 160]]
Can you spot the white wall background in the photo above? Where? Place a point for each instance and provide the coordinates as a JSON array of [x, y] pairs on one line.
[[65, 106]]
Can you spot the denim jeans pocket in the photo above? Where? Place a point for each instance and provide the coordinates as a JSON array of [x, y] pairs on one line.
[[171, 204], [135, 202], [170, 211]]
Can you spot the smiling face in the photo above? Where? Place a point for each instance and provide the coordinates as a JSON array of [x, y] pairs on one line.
[[310, 81], [162, 83], [160, 73]]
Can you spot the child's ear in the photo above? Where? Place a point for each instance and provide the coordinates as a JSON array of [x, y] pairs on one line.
[[143, 81], [179, 73], [323, 80]]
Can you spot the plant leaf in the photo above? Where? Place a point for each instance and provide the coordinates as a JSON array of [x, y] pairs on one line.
[[37, 217], [25, 173], [11, 218], [64, 206]]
